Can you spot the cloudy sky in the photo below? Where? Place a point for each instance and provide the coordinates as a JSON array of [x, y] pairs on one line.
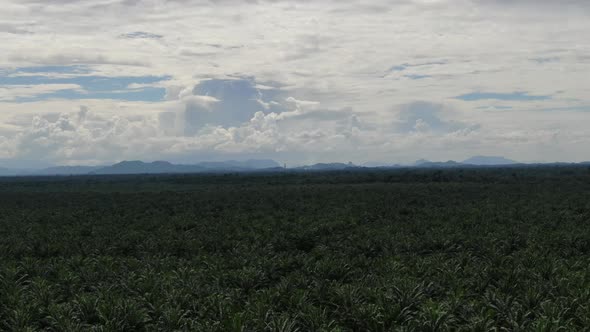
[[99, 81]]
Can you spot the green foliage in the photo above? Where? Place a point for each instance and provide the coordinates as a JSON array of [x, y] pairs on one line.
[[405, 250]]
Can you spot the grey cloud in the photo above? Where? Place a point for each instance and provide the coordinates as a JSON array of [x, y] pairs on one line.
[[190, 53], [417, 77], [425, 116], [167, 121], [338, 51], [239, 100], [543, 60], [581, 3], [513, 96], [304, 46], [324, 115], [74, 59], [405, 66], [13, 29], [141, 35]]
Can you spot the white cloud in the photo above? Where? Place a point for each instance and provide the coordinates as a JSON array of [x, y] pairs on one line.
[[323, 76], [14, 92], [89, 136]]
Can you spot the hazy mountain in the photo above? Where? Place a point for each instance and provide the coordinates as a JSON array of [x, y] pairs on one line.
[[140, 167], [327, 167], [488, 161], [421, 161], [9, 171], [161, 167], [439, 164], [67, 170], [473, 161], [264, 165]]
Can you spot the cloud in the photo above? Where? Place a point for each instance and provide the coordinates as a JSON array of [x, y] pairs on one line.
[[20, 92], [548, 59], [39, 70], [238, 101], [401, 79], [303, 46], [84, 137], [427, 117], [417, 77], [405, 66], [12, 29], [298, 134], [141, 35], [80, 57], [74, 82], [514, 96]]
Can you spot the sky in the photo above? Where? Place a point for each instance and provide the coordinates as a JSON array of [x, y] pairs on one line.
[[86, 82]]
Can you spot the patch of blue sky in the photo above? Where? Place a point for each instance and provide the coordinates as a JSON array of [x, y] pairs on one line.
[[495, 107], [513, 96], [398, 68], [89, 83], [417, 77], [405, 66], [101, 87]]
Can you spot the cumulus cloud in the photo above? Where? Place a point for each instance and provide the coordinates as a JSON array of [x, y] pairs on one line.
[[304, 81], [424, 116], [84, 137], [87, 136]]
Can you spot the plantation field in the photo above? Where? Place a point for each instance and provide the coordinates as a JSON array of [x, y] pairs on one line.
[[403, 250]]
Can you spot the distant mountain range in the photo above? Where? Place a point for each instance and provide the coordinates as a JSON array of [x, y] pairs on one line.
[[68, 170], [473, 161], [488, 161], [156, 167], [327, 167], [8, 171], [254, 165]]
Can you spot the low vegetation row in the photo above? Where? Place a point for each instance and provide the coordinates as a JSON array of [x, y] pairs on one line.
[[404, 250]]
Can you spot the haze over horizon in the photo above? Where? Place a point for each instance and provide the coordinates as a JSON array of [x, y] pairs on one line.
[[92, 82]]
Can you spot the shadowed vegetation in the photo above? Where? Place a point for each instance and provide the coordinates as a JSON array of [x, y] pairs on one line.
[[405, 250]]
